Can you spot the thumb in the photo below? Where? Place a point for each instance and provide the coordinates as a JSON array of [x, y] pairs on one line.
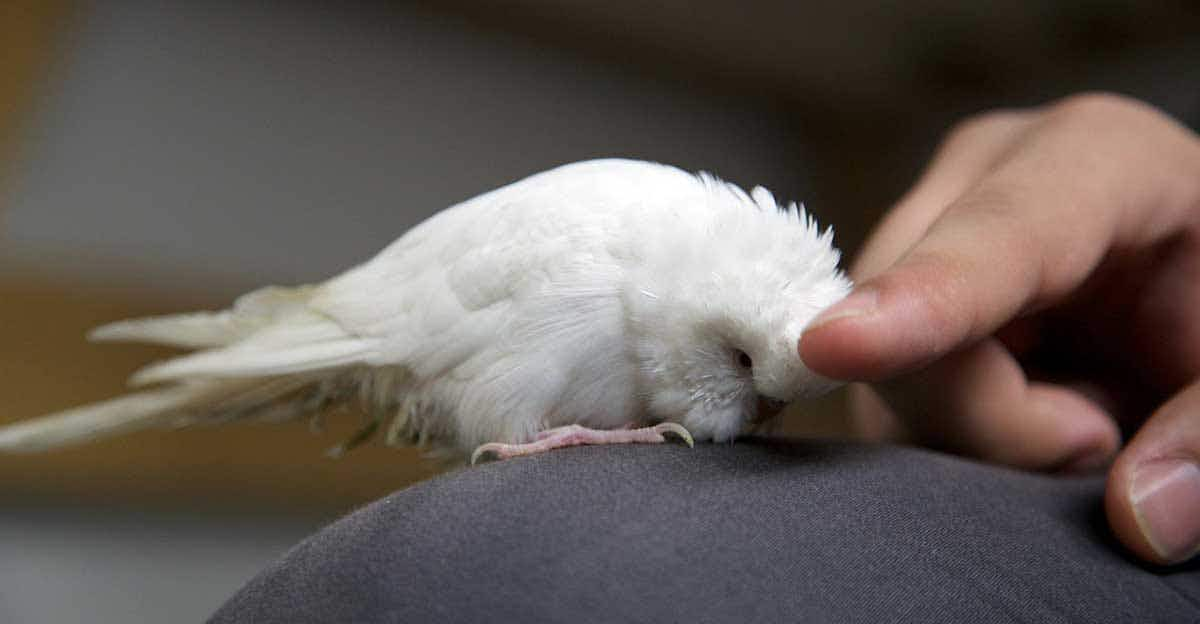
[[1153, 493]]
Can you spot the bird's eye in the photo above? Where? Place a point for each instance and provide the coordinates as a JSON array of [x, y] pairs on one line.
[[743, 359]]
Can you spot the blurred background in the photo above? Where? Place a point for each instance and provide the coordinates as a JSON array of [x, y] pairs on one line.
[[158, 156]]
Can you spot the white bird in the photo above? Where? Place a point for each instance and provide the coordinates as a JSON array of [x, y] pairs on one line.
[[565, 308]]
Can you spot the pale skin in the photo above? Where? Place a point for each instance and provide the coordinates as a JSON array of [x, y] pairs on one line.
[[1036, 290]]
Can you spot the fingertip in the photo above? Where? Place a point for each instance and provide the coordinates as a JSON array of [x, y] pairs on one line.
[[842, 349], [855, 339], [879, 331], [833, 342], [1086, 433], [1152, 498], [1133, 526], [862, 302], [1152, 507], [1120, 514]]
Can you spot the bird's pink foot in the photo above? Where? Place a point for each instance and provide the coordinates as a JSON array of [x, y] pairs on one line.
[[574, 435]]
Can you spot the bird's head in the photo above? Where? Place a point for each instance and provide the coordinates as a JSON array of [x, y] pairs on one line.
[[717, 309]]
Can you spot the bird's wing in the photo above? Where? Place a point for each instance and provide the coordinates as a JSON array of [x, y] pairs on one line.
[[445, 292], [299, 341], [530, 261], [454, 287]]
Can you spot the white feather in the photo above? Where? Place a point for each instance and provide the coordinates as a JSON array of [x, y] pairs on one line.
[[244, 362], [195, 330], [597, 293], [115, 416]]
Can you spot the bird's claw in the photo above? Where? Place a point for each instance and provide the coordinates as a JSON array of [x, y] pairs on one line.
[[677, 429], [483, 449]]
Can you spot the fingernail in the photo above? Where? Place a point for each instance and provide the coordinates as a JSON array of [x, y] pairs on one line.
[[1166, 504], [861, 302]]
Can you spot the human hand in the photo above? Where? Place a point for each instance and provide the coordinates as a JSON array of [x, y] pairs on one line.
[[1039, 285]]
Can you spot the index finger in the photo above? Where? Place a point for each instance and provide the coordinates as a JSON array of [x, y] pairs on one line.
[[1098, 174]]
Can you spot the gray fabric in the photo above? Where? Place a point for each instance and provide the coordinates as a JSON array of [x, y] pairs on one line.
[[753, 532]]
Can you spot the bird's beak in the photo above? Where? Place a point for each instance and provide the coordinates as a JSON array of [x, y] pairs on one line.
[[768, 408]]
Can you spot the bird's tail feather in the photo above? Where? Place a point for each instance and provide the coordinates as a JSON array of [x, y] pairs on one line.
[[269, 357], [196, 330], [279, 398], [124, 414]]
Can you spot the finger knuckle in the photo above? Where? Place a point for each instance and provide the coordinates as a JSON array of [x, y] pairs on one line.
[[997, 205], [1113, 121], [1095, 105], [981, 126], [1017, 239], [1042, 264], [1004, 241]]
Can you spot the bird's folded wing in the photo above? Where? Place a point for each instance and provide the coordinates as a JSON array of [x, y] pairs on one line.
[[443, 293]]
